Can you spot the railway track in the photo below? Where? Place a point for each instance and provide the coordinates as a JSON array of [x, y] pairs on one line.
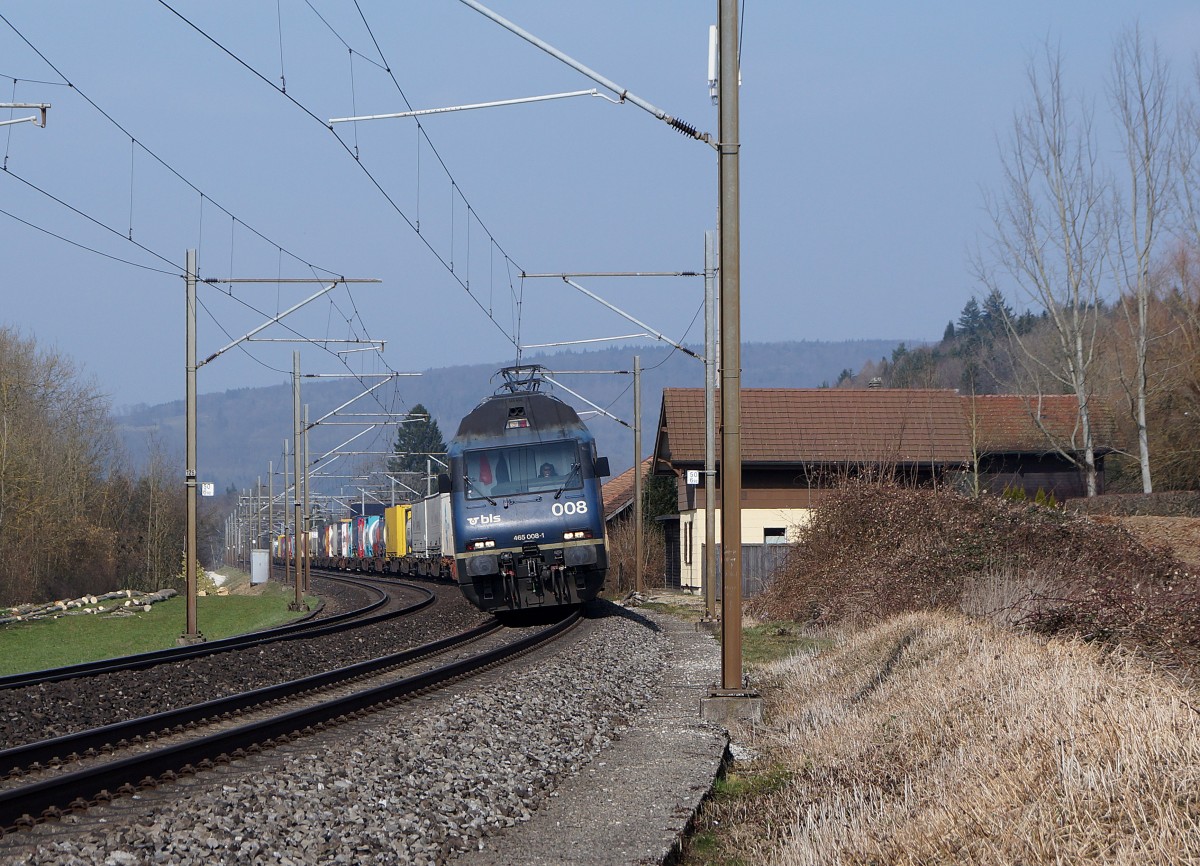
[[150, 751]]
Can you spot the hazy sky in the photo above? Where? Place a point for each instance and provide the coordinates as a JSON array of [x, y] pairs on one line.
[[868, 133]]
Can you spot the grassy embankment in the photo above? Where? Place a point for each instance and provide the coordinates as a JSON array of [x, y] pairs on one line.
[[1001, 685], [70, 640]]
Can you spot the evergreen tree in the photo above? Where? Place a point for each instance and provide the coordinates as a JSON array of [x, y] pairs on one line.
[[996, 312], [1027, 321], [970, 320], [948, 334], [659, 497], [414, 440]]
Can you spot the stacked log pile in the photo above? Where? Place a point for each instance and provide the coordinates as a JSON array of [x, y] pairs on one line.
[[123, 602]]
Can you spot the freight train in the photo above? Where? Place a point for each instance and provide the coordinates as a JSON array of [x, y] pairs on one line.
[[409, 539], [525, 505], [518, 521]]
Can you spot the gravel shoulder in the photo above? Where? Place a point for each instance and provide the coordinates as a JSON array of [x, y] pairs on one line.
[[634, 802]]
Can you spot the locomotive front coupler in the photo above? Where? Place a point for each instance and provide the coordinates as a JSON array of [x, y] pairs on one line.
[[532, 559]]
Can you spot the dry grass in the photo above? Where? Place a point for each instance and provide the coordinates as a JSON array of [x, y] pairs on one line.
[[1005, 597], [931, 739]]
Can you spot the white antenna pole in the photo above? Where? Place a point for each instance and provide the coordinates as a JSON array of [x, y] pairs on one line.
[[712, 63]]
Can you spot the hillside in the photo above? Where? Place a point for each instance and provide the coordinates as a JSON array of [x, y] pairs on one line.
[[241, 430]]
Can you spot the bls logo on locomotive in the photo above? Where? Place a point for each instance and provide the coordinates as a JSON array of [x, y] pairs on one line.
[[484, 520]]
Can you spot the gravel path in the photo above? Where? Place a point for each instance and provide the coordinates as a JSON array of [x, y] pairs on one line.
[[412, 785], [632, 805]]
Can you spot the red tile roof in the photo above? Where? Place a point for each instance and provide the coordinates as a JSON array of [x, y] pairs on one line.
[[1022, 423], [618, 492], [824, 425]]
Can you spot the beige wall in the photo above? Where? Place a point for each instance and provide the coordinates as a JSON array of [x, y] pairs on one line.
[[754, 522]]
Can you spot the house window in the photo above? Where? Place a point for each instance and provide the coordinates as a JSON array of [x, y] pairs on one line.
[[773, 535], [687, 543]]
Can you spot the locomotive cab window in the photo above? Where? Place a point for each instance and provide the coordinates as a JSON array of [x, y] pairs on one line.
[[517, 469]]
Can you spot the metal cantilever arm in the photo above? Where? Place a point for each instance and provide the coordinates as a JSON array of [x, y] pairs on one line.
[[622, 93], [521, 100], [268, 324], [658, 335], [604, 412], [39, 119]]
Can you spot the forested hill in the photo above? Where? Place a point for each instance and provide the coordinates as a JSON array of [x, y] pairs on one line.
[[241, 430]]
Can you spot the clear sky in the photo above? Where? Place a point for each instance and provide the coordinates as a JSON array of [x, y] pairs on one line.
[[868, 134]]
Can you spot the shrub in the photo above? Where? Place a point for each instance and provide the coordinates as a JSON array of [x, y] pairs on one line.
[[204, 582], [872, 552], [621, 576]]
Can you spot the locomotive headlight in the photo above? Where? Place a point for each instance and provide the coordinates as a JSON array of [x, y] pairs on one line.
[[481, 544], [577, 534]]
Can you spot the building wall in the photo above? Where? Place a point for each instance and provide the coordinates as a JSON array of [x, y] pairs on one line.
[[760, 489], [755, 525], [1049, 473]]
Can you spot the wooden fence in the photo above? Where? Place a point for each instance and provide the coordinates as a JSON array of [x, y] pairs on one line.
[[759, 564]]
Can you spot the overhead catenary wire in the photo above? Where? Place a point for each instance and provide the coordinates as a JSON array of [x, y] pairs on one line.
[[148, 250], [160, 160], [454, 262], [462, 276], [514, 338], [114, 231], [16, 79], [134, 144], [86, 248], [90, 218], [362, 166], [339, 38]]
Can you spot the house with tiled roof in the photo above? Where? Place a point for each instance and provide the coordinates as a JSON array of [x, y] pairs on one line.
[[1035, 442], [799, 444], [617, 492]]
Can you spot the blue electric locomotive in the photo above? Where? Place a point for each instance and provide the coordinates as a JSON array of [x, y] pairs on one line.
[[525, 500]]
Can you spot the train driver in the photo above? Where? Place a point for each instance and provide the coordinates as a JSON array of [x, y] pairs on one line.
[[547, 471]]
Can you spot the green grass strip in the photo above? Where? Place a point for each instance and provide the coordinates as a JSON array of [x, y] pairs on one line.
[[68, 640]]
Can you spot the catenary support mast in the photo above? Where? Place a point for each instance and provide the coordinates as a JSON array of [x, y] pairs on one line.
[[731, 360]]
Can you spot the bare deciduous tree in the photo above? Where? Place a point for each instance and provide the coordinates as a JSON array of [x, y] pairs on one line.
[[1139, 92], [56, 443], [1050, 237]]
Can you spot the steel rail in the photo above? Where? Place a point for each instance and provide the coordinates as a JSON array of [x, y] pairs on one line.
[[32, 756], [305, 628], [26, 805]]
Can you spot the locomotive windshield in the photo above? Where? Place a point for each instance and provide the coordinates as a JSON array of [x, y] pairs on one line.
[[534, 468]]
